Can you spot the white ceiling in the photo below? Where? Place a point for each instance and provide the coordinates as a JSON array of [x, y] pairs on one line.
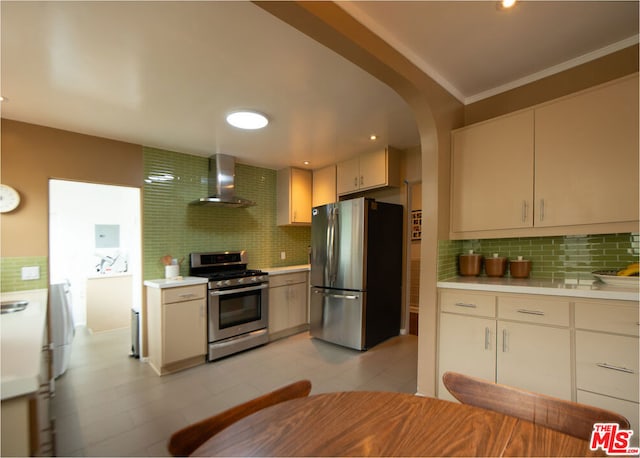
[[164, 74]]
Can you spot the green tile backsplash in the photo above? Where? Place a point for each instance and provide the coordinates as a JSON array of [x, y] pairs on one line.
[[11, 273], [552, 257], [172, 226]]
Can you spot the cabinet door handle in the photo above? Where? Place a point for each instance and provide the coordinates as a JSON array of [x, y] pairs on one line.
[[531, 312], [487, 338], [361, 180], [187, 295], [463, 304], [541, 209], [615, 368], [355, 182], [524, 211], [505, 334]]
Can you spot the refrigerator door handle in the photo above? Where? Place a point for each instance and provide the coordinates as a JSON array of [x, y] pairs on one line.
[[332, 261]]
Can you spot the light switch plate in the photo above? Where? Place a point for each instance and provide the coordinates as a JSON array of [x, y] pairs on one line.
[[31, 273]]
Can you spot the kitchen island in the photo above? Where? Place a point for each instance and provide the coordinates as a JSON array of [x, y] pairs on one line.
[[572, 339], [24, 384]]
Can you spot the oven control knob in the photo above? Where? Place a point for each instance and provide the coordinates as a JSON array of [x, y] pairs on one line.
[[219, 283], [240, 280], [227, 282]]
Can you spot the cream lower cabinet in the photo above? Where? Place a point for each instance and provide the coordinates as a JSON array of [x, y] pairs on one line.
[[607, 357], [28, 427], [176, 321], [511, 339], [288, 304]]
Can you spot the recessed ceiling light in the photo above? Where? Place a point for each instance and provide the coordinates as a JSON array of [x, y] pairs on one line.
[[373, 137], [3, 99], [247, 120], [306, 162]]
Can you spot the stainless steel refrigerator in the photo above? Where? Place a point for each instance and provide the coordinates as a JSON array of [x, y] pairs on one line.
[[356, 272]]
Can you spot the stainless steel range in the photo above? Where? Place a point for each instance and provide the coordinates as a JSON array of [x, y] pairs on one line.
[[237, 304]]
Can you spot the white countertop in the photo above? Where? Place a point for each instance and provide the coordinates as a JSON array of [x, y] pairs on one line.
[[174, 283], [587, 288], [21, 344], [110, 275], [287, 269]]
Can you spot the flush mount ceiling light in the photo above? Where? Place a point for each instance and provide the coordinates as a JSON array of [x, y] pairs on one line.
[[245, 119], [505, 4]]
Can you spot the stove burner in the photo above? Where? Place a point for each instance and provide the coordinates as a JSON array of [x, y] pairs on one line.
[[233, 274], [225, 269]]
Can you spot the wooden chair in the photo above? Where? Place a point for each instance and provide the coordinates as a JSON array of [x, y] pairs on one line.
[[187, 440], [565, 416]]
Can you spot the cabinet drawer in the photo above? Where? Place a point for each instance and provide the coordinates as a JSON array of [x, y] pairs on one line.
[[531, 309], [628, 409], [468, 303], [287, 279], [618, 317], [607, 364], [183, 293]]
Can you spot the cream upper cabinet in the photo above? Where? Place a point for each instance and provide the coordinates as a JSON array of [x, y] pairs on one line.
[[586, 168], [348, 176], [492, 174], [566, 166], [324, 186], [294, 197], [372, 170]]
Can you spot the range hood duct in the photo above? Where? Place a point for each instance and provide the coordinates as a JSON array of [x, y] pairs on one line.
[[222, 193]]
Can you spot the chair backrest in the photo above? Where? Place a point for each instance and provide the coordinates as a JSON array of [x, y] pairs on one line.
[[565, 416], [187, 440]]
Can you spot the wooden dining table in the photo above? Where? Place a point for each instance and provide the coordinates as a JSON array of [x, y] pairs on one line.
[[360, 423]]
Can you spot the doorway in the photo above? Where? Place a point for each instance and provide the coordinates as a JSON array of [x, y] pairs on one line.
[[95, 249]]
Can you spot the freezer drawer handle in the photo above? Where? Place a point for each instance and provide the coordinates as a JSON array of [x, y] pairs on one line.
[[338, 296], [615, 368]]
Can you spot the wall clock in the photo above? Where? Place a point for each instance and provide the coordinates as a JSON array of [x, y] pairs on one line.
[[9, 198]]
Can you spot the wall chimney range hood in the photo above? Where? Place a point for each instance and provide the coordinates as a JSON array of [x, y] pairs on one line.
[[222, 193]]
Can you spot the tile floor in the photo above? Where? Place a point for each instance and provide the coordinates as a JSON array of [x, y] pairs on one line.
[[108, 404]]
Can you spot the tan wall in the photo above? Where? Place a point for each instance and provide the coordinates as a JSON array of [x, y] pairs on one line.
[[607, 68], [32, 154]]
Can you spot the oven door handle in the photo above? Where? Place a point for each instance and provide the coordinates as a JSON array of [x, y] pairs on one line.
[[224, 292]]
